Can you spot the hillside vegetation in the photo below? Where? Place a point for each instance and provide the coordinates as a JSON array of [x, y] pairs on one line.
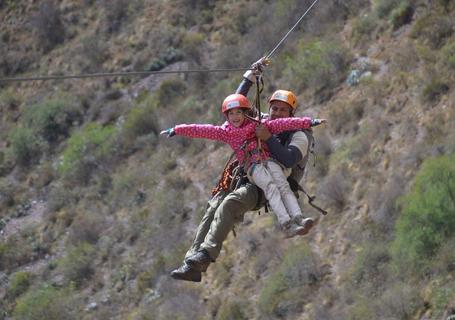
[[96, 208]]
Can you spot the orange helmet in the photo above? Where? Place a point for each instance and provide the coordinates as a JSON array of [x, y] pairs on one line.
[[235, 101], [285, 96]]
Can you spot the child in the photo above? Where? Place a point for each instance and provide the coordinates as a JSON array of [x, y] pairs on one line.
[[239, 132]]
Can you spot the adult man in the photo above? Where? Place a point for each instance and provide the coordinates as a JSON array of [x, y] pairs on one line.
[[227, 208]]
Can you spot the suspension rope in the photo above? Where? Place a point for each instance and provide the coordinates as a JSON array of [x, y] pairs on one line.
[[113, 74], [290, 30]]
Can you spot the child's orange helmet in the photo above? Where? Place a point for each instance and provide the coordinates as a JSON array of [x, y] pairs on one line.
[[285, 96], [234, 101]]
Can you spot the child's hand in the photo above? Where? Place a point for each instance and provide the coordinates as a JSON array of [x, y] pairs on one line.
[[316, 122], [262, 132], [169, 132]]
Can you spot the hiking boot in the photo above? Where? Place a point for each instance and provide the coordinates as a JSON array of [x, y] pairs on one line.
[[199, 261], [291, 229], [306, 223], [186, 273]]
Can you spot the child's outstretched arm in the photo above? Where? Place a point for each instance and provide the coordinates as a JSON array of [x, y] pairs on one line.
[[206, 131], [285, 124]]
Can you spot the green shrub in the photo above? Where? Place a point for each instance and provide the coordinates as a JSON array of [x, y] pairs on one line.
[[53, 118], [284, 291], [115, 14], [86, 227], [169, 91], [370, 267], [433, 30], [335, 188], [167, 57], [192, 45], [384, 7], [141, 120], [26, 147], [9, 99], [20, 281], [94, 52], [48, 26], [15, 251], [345, 115], [361, 309], [46, 303], [363, 27], [77, 265], [318, 65], [433, 90], [448, 54], [399, 301], [86, 151], [232, 310], [441, 297], [427, 218], [401, 15]]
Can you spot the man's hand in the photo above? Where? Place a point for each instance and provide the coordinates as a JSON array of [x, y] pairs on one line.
[[168, 132], [258, 67], [260, 64], [262, 132], [316, 122]]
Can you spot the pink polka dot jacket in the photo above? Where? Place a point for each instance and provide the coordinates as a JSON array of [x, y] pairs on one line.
[[235, 137]]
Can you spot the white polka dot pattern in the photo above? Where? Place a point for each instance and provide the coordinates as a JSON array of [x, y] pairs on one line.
[[235, 137]]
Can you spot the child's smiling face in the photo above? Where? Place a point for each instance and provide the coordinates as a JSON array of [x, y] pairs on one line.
[[236, 117]]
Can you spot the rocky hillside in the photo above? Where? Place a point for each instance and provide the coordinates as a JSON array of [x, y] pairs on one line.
[[96, 209]]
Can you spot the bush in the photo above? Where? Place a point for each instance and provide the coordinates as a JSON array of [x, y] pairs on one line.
[[48, 25], [399, 301], [434, 90], [448, 54], [46, 303], [90, 149], [335, 190], [6, 196], [20, 281], [370, 268], [285, 290], [441, 298], [192, 45], [77, 265], [384, 7], [401, 15], [319, 66], [427, 218], [86, 228], [433, 30], [165, 58], [15, 251], [232, 310], [142, 120], [53, 118], [363, 28], [169, 91], [345, 116], [115, 14], [94, 52], [26, 147]]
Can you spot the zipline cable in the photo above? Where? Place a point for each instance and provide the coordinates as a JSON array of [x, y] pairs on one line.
[[290, 30], [113, 74]]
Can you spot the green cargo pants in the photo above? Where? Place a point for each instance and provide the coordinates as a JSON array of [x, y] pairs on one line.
[[223, 211]]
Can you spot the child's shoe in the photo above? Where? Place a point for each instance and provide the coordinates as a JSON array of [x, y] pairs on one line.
[[306, 223], [291, 229]]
